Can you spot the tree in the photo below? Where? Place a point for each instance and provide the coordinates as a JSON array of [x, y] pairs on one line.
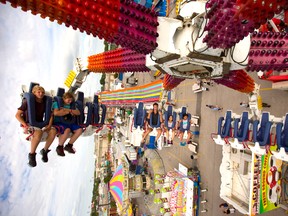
[[109, 136], [115, 75], [107, 179], [106, 46], [102, 80]]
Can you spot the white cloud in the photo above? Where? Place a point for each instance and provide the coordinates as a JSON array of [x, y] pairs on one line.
[[31, 50]]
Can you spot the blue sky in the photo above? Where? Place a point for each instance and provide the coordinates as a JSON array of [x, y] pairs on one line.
[[33, 49]]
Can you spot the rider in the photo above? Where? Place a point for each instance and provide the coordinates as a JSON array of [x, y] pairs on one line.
[[169, 125], [185, 123], [39, 93], [154, 115], [68, 112]]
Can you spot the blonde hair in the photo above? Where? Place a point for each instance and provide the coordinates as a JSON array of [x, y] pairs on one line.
[[67, 95], [38, 88]]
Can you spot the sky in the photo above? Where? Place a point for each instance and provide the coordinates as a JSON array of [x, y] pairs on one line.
[[36, 50]]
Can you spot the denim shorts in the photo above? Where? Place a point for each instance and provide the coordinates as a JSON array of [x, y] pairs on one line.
[[61, 127]]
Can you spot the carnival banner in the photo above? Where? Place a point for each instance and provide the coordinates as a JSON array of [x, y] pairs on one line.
[[146, 93], [265, 184], [270, 190]]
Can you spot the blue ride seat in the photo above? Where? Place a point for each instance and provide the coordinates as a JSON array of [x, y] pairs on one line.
[[184, 111], [60, 92], [89, 114], [103, 115], [168, 113], [282, 134], [31, 112], [241, 132], [95, 111], [224, 131], [79, 104], [262, 135], [31, 86], [139, 115], [96, 120]]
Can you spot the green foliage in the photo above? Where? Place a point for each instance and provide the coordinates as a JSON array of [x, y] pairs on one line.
[[110, 120], [109, 136], [102, 80], [113, 46], [97, 180], [95, 192], [106, 46], [94, 213], [107, 179], [113, 204]]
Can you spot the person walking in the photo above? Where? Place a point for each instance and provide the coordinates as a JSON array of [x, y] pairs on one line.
[[223, 205], [266, 105], [227, 209], [244, 104], [214, 107]]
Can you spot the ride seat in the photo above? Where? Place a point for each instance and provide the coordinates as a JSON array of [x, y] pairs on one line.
[[79, 104], [103, 115], [282, 134], [224, 131], [139, 115], [60, 92], [262, 135], [32, 84], [168, 113], [31, 112], [184, 111], [95, 112], [241, 132]]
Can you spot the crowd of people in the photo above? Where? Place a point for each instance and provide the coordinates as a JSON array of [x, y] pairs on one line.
[[56, 126]]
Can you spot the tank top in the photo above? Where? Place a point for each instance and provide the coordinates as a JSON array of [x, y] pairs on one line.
[[154, 118]]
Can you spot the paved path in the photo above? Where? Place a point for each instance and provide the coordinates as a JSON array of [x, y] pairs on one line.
[[210, 154]]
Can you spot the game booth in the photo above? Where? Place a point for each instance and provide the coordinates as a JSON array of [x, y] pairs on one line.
[[178, 192]]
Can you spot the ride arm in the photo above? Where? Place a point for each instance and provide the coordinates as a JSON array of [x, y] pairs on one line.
[[19, 117]]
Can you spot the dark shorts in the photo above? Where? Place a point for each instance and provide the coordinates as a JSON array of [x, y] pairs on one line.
[[61, 127], [182, 130]]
